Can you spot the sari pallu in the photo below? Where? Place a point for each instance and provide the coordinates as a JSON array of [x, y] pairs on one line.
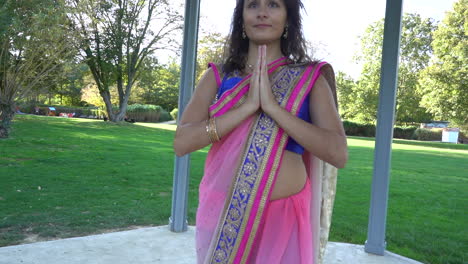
[[241, 169]]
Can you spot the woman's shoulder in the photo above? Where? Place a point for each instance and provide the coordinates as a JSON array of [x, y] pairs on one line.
[[217, 70]]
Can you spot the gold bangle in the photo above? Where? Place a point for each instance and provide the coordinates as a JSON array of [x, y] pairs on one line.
[[208, 132], [215, 129], [213, 139]]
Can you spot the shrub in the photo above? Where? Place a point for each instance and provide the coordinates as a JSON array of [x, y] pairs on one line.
[[404, 132], [174, 113], [165, 116], [358, 129], [462, 138], [144, 113], [428, 134], [27, 107], [368, 130]]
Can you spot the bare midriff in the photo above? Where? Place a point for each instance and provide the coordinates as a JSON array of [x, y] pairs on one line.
[[291, 177]]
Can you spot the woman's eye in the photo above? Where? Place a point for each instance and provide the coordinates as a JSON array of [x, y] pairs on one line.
[[252, 5], [273, 4]]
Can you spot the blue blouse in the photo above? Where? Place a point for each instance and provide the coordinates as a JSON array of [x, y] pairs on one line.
[[229, 82]]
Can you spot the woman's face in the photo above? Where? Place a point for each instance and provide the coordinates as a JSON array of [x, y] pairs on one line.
[[264, 20]]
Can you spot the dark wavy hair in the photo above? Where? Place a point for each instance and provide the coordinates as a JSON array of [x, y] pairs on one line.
[[294, 46]]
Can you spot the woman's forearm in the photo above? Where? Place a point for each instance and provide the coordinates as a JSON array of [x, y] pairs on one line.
[[328, 145], [193, 136]]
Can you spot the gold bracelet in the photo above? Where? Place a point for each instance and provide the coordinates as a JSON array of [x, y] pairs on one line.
[[215, 130], [208, 132], [211, 130]]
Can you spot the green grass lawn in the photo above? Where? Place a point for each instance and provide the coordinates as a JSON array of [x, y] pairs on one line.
[[70, 177]]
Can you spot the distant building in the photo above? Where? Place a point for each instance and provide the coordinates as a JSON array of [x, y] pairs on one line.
[[450, 135], [435, 124]]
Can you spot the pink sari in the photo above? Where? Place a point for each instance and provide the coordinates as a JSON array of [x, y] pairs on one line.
[[233, 225]]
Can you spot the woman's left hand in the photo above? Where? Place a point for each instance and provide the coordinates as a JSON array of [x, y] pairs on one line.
[[267, 100]]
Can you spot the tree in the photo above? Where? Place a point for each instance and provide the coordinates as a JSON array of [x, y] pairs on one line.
[[117, 36], [415, 53], [68, 83], [210, 49], [444, 84], [32, 44], [159, 84], [345, 85]]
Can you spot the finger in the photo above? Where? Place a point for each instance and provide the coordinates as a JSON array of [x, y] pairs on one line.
[[259, 58], [264, 72], [255, 78], [264, 58]]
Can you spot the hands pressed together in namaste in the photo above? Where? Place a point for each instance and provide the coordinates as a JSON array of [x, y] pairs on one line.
[[260, 93]]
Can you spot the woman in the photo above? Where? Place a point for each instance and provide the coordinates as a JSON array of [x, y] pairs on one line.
[[268, 112]]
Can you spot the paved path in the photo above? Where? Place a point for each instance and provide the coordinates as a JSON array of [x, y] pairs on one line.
[[155, 245]]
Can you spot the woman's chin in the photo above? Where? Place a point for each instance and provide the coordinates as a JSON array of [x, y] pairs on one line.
[[264, 41]]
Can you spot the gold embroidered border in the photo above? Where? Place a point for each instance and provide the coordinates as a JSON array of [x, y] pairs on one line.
[[258, 180], [302, 92], [239, 174], [272, 173], [226, 100], [220, 225], [262, 203]]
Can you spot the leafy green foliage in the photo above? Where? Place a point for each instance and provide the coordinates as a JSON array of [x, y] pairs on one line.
[[443, 86], [404, 132], [210, 49], [116, 39], [144, 113], [345, 88], [359, 129], [175, 113], [33, 43], [428, 134], [159, 85], [415, 45]]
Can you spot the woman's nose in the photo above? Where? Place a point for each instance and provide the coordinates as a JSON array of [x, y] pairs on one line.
[[262, 11]]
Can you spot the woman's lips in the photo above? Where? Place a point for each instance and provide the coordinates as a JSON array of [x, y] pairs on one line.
[[262, 25]]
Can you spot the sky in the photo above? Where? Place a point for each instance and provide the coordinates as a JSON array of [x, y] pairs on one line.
[[332, 26]]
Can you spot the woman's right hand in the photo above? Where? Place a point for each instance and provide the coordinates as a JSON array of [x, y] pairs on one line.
[[253, 98]]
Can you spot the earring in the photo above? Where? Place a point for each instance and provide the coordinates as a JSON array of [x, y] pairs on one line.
[[244, 36], [285, 34]]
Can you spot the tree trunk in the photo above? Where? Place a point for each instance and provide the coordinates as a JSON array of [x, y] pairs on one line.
[[107, 101], [122, 109], [6, 115]]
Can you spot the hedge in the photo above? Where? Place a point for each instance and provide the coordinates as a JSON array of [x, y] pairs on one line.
[[144, 113], [428, 134], [403, 132], [165, 116], [358, 129]]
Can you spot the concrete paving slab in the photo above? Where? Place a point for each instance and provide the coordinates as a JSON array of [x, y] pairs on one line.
[[139, 246], [155, 245], [343, 253]]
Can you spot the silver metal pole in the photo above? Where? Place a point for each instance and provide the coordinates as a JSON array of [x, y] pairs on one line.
[[178, 219], [383, 142]]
